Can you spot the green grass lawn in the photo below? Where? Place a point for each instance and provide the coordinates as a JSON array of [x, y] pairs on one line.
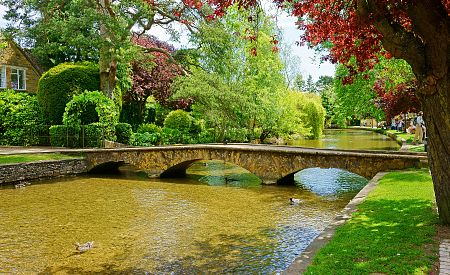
[[5, 159], [408, 137], [391, 233]]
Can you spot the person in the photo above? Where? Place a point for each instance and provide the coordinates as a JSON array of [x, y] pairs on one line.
[[400, 126], [393, 124], [419, 132], [411, 128]]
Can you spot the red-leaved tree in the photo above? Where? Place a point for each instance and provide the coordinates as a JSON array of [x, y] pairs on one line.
[[401, 99], [153, 75]]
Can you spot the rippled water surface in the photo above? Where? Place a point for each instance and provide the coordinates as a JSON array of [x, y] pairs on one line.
[[216, 221], [350, 139]]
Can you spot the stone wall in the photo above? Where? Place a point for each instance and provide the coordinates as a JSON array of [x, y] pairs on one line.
[[10, 173]]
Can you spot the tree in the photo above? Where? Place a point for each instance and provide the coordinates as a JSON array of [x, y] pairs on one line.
[[153, 75], [97, 30], [299, 82], [310, 86]]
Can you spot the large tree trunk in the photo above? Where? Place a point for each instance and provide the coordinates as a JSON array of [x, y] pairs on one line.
[[436, 109], [107, 60], [426, 47], [108, 70]]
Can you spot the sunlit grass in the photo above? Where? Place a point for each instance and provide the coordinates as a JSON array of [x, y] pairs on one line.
[[6, 159], [391, 233], [402, 135]]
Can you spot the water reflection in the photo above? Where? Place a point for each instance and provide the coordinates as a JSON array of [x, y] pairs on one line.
[[330, 183], [161, 226], [350, 139]]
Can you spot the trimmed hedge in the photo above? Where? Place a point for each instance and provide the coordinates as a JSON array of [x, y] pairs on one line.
[[64, 136], [79, 110], [57, 86], [124, 133], [92, 135]]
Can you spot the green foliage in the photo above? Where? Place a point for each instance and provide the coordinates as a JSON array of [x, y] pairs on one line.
[[92, 135], [58, 85], [314, 115], [124, 132], [147, 135], [79, 111], [64, 136], [179, 120], [145, 139], [149, 128], [20, 116]]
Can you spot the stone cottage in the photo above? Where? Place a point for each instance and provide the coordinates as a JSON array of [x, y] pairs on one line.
[[18, 70]]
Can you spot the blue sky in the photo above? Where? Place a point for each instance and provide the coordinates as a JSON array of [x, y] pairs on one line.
[[310, 63]]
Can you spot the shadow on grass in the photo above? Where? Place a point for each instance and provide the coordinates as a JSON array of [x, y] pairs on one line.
[[384, 236]]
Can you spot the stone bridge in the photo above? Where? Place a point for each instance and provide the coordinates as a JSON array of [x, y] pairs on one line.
[[272, 164]]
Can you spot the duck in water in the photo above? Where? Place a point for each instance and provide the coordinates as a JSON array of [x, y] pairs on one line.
[[294, 201], [84, 247]]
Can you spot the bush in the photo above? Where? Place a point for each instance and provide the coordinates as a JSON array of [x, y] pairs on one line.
[[92, 135], [79, 112], [174, 136], [64, 136], [236, 135], [145, 139], [149, 128], [20, 117], [179, 120], [57, 86], [124, 133]]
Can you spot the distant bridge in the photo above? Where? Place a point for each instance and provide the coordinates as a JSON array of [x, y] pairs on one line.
[[272, 164]]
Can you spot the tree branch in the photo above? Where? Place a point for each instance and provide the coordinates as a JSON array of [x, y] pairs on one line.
[[396, 39]]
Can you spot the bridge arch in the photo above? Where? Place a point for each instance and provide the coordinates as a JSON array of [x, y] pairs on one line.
[[180, 170]]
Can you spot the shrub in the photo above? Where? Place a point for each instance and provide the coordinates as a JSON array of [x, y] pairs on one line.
[[179, 120], [92, 135], [64, 136], [20, 116], [130, 114], [124, 133], [79, 111], [149, 128], [57, 86], [173, 136], [236, 135], [145, 139]]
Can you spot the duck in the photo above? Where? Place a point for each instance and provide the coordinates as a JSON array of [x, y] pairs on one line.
[[294, 201], [19, 185], [84, 247]]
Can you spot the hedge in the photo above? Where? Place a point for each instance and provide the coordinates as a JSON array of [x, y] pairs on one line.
[[57, 86], [79, 112], [124, 132], [64, 136]]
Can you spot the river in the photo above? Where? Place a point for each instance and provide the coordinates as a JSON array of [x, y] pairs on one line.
[[218, 220]]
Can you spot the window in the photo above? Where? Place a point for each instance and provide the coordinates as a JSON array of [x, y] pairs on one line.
[[2, 76], [18, 79]]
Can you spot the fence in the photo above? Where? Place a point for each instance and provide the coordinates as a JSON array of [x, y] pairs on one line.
[[87, 136]]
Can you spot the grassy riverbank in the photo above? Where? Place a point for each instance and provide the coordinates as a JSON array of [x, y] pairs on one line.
[[7, 159], [391, 233]]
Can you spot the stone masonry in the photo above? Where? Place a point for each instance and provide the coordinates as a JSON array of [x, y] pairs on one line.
[[10, 173]]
